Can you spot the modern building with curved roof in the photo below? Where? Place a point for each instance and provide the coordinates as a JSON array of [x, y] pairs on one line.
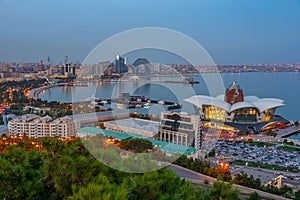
[[234, 111]]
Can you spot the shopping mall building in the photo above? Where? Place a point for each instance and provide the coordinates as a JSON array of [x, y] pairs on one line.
[[235, 112]]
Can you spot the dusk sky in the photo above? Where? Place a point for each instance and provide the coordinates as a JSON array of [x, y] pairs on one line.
[[232, 31]]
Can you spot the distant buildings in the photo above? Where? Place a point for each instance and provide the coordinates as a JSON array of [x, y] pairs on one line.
[[120, 65], [68, 69], [34, 126]]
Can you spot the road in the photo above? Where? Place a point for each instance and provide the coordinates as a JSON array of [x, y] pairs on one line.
[[198, 178]]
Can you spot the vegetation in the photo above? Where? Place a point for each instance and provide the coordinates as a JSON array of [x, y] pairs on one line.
[[15, 91], [222, 190], [254, 196], [203, 168], [68, 171], [140, 116], [260, 144], [271, 133], [212, 153], [243, 179], [260, 165], [285, 141], [297, 195], [289, 148], [136, 145]]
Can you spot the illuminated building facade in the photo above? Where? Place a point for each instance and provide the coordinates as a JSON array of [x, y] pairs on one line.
[[34, 126], [235, 112], [180, 128]]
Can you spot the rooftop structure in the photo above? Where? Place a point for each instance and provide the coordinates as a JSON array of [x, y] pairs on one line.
[[34, 126], [266, 178], [179, 128], [146, 128], [160, 145], [88, 118], [234, 111]]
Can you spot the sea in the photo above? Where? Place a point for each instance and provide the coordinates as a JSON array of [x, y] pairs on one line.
[[282, 85]]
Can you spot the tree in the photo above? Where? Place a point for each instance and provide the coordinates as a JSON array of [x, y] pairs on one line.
[[224, 191], [162, 184], [136, 145], [243, 179], [297, 195], [101, 189], [189, 193], [254, 196], [20, 174]]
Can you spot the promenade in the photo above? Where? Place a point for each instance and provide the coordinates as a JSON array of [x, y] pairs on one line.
[[283, 133]]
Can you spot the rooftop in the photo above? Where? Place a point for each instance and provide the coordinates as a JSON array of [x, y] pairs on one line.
[[250, 101], [27, 117], [264, 176], [3, 128], [163, 146], [146, 125]]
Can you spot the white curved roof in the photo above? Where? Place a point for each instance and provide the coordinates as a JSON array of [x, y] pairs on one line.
[[200, 100], [263, 105], [221, 97], [249, 101], [240, 105], [251, 98], [272, 99]]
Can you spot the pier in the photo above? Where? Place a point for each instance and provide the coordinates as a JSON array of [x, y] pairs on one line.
[[131, 102], [284, 133]]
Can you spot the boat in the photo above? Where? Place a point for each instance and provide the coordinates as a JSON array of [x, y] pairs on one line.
[[147, 105]]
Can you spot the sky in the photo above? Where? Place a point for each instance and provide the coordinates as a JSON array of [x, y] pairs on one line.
[[232, 31]]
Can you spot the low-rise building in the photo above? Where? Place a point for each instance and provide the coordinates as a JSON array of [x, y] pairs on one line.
[[266, 178], [145, 128], [180, 128], [3, 130], [35, 126]]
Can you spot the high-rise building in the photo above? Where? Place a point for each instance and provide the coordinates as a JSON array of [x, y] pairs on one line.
[[121, 66]]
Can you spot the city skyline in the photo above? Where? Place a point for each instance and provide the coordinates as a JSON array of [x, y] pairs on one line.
[[231, 31]]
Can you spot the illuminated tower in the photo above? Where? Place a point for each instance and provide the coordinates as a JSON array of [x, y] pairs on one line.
[[120, 65]]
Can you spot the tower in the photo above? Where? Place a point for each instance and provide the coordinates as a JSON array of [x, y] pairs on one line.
[[234, 94], [120, 65], [4, 119]]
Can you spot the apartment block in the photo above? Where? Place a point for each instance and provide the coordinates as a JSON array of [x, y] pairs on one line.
[[35, 126]]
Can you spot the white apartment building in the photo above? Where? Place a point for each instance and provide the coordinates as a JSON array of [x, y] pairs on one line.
[[20, 125], [35, 126], [62, 127]]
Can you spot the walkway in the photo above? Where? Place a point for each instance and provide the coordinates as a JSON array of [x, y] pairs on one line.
[[283, 133]]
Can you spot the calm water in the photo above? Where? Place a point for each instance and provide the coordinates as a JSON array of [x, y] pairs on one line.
[[296, 137], [285, 86]]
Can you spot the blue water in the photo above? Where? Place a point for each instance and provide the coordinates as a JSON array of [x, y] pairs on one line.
[[285, 86], [295, 137]]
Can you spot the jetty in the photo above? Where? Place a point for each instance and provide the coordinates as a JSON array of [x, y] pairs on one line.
[[289, 131]]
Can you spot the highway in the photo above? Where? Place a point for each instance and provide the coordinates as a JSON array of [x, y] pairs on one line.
[[198, 178]]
